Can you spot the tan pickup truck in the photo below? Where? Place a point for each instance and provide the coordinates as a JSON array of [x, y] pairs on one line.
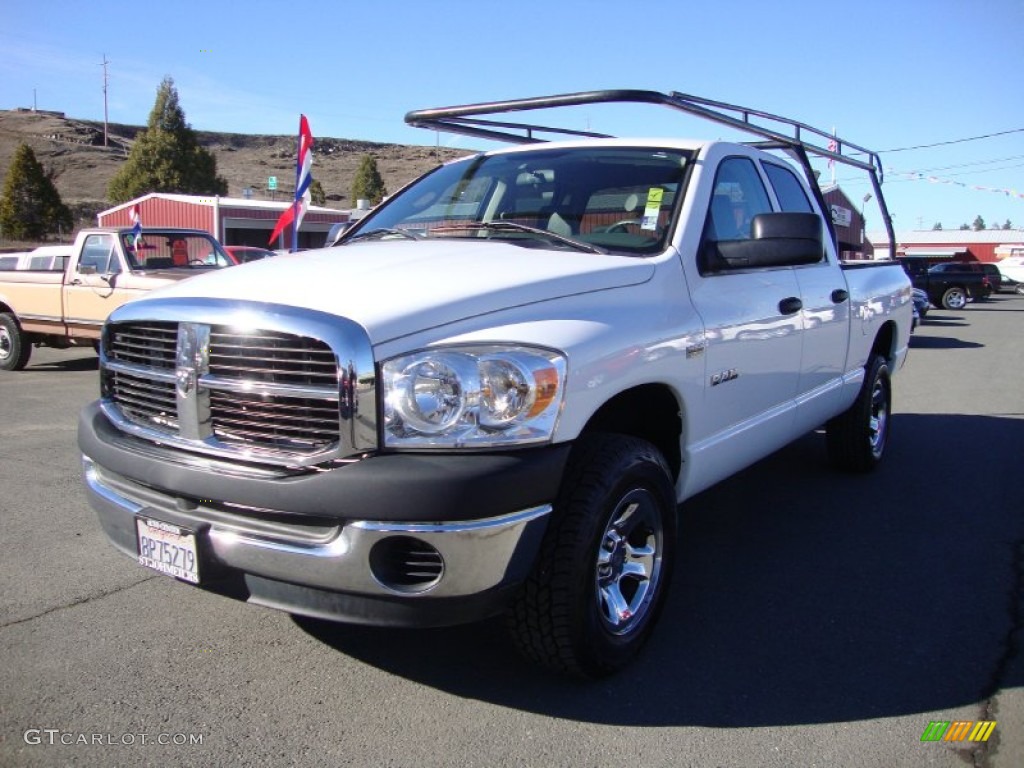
[[58, 307]]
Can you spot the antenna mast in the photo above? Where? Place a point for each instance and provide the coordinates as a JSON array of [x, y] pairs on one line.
[[105, 80]]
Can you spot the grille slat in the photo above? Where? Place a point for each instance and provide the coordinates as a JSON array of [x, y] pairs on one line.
[[227, 370], [268, 420]]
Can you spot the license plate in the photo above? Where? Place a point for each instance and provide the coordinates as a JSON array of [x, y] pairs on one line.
[[167, 548]]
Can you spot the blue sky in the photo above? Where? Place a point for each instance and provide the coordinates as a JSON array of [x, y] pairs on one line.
[[886, 75]]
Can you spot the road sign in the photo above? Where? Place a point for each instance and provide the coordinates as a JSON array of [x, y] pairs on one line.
[[272, 183]]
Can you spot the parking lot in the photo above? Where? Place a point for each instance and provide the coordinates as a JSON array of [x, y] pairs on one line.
[[814, 619]]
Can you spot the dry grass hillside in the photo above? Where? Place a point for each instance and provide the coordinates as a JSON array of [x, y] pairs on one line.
[[73, 152]]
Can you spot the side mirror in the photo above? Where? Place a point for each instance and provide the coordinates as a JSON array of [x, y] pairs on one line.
[[777, 240], [336, 231]]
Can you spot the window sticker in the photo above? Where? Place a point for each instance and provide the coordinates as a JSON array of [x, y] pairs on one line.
[[650, 219]]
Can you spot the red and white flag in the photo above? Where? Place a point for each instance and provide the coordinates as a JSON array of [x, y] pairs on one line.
[[294, 213], [136, 219]]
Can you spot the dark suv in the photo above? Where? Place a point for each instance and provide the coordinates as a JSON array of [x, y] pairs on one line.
[[949, 285], [991, 271]]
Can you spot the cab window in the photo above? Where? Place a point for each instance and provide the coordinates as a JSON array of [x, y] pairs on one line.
[[739, 195], [99, 253], [788, 189]]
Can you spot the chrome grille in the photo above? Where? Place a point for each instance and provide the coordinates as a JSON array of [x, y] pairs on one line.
[[151, 345], [264, 394], [266, 356], [146, 401], [289, 422]]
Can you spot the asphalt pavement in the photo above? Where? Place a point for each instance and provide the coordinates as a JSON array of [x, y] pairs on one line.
[[815, 618]]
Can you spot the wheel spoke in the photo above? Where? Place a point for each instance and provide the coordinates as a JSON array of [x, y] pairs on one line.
[[617, 610], [621, 521], [636, 570]]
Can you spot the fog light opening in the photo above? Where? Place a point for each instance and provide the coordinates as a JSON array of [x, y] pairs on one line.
[[406, 564]]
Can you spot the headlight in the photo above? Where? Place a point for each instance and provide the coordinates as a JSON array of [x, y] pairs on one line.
[[472, 397]]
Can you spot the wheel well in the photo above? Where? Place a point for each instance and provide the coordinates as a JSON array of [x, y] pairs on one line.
[[885, 342], [650, 412]]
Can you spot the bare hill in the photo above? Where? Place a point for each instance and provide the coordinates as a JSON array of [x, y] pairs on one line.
[[73, 152]]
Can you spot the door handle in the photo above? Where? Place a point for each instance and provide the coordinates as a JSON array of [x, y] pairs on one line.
[[790, 306], [839, 296], [76, 281]]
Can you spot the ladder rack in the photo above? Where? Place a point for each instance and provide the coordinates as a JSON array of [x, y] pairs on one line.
[[800, 141]]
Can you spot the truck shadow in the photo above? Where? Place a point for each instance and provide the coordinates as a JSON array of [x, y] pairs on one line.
[[945, 322], [801, 596], [90, 362], [941, 342]]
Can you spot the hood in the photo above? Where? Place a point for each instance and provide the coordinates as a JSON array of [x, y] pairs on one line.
[[396, 288]]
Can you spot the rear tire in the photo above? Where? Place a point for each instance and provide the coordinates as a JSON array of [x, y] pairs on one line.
[[604, 568], [15, 349], [955, 297], [857, 438]]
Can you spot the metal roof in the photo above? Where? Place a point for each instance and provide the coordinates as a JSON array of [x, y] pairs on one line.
[[225, 202], [949, 237]]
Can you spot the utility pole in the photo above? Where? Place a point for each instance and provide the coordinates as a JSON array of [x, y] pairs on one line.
[[105, 80]]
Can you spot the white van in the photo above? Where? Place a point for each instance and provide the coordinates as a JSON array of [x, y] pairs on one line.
[[1012, 268], [46, 258]]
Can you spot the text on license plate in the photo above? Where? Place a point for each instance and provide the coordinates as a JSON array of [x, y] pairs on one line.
[[167, 548]]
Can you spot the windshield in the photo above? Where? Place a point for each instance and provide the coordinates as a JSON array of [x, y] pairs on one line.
[[618, 199], [171, 250]]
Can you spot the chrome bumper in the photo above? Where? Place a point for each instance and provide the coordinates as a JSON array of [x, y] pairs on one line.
[[476, 556]]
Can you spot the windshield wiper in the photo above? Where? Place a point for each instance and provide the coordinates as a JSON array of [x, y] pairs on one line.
[[380, 232], [512, 226]]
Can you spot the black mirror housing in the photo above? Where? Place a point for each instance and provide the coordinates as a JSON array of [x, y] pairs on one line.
[[777, 240]]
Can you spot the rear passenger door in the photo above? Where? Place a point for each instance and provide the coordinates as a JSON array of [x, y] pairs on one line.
[[825, 315]]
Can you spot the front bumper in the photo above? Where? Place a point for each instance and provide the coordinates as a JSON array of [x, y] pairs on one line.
[[314, 545]]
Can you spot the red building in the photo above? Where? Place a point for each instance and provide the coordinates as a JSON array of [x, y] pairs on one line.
[[848, 220], [233, 221], [990, 245]]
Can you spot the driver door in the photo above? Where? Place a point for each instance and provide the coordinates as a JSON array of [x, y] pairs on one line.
[[90, 290]]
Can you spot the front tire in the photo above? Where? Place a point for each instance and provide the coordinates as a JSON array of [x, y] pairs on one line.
[[15, 349], [857, 438], [604, 568]]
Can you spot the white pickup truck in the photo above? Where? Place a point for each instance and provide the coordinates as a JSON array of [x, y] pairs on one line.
[[59, 296], [493, 394]]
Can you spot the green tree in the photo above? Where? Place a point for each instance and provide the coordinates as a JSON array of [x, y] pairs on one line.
[[367, 184], [166, 157], [979, 223], [317, 196], [1007, 225], [937, 227], [30, 206]]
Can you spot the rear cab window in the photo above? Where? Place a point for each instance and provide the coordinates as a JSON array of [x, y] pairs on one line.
[[788, 189]]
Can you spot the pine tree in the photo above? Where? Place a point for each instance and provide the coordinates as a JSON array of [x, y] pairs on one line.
[[367, 184], [317, 196], [30, 207], [166, 157], [979, 224]]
